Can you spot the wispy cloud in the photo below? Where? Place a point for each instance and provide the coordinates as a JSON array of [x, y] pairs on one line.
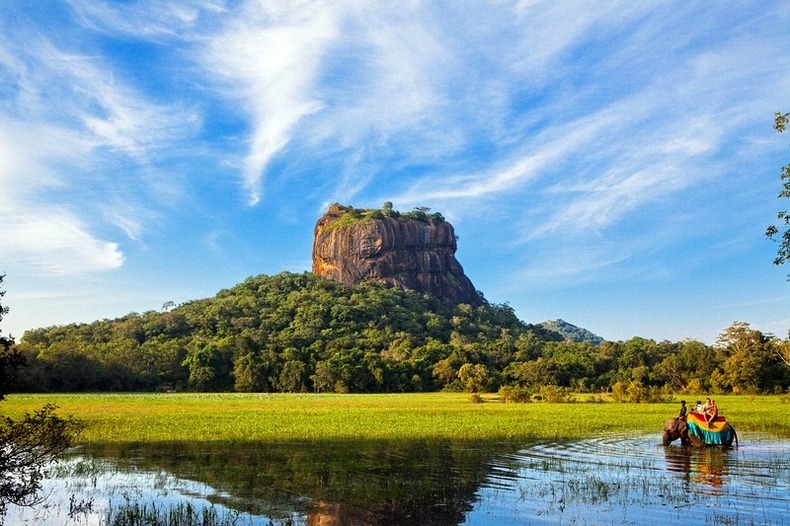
[[110, 112], [541, 154], [267, 59], [64, 117], [572, 267], [45, 237], [586, 132], [149, 20]]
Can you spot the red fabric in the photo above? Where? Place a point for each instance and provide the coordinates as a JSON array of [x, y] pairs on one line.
[[700, 416]]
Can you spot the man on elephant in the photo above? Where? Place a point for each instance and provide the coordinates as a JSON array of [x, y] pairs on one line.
[[683, 410]]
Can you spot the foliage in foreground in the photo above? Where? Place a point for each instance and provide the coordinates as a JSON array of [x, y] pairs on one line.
[[782, 231], [29, 444], [303, 333]]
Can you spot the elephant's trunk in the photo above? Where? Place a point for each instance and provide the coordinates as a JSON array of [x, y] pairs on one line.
[[667, 438]]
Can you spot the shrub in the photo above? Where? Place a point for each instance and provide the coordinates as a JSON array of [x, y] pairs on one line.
[[594, 399], [555, 393], [636, 393], [694, 386], [515, 393]]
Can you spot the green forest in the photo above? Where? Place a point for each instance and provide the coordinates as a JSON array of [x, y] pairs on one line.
[[302, 333]]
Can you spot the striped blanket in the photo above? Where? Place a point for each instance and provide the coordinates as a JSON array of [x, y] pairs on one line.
[[718, 432]]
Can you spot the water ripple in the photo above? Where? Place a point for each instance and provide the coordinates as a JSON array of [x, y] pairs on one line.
[[636, 480]]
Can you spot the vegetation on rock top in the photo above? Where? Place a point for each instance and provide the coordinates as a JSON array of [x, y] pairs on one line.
[[348, 215]]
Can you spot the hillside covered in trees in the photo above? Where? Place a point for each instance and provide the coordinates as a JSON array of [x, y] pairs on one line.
[[303, 333], [572, 332]]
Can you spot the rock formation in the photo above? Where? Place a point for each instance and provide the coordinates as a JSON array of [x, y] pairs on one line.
[[412, 251]]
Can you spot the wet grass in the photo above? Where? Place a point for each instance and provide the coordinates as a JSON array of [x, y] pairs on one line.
[[181, 514], [442, 416]]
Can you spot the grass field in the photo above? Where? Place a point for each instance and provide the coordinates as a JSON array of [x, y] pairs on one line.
[[288, 417]]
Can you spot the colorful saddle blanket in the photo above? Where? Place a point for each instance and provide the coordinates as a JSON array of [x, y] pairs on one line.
[[718, 432]]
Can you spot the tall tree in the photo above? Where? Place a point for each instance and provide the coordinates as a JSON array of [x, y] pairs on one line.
[[781, 231], [748, 358], [784, 350]]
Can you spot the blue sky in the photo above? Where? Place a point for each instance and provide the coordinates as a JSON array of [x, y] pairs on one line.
[[612, 163]]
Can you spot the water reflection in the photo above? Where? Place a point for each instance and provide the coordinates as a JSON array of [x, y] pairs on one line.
[[327, 483], [606, 480], [708, 466]]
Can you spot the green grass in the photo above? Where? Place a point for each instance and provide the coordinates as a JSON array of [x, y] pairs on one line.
[[288, 417]]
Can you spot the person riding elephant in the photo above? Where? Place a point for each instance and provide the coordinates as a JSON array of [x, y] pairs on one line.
[[676, 428], [710, 410]]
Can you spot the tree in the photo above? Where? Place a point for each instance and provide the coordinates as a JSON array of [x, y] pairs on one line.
[[748, 358], [784, 350], [10, 360], [444, 372], [689, 367], [534, 373], [209, 367], [781, 233], [325, 378], [29, 445], [251, 372], [474, 377], [10, 357], [292, 377]]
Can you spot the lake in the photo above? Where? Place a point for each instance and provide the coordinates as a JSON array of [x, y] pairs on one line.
[[606, 480]]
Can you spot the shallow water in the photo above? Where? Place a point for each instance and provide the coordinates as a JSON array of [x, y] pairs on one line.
[[606, 480], [615, 480]]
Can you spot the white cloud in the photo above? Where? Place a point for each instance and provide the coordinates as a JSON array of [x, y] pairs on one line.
[[112, 113], [145, 19], [65, 115], [609, 198], [44, 237], [46, 242], [268, 58]]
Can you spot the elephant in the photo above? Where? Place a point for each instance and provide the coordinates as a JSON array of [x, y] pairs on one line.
[[676, 428], [694, 435]]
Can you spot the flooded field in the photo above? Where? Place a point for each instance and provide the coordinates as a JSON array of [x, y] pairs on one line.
[[608, 480]]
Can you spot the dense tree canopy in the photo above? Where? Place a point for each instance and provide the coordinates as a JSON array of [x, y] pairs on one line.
[[303, 333]]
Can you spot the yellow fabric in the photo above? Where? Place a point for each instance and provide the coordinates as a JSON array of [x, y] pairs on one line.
[[699, 419]]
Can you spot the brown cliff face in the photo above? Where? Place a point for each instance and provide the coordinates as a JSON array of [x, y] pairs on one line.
[[351, 246]]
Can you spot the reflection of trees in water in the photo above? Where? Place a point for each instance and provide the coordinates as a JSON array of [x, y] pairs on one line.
[[708, 466], [333, 483]]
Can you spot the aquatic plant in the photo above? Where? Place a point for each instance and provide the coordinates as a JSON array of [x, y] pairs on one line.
[[181, 514]]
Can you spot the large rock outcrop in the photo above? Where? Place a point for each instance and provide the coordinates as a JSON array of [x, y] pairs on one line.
[[413, 251]]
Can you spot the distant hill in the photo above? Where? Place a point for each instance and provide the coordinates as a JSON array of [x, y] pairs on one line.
[[288, 332], [572, 332]]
